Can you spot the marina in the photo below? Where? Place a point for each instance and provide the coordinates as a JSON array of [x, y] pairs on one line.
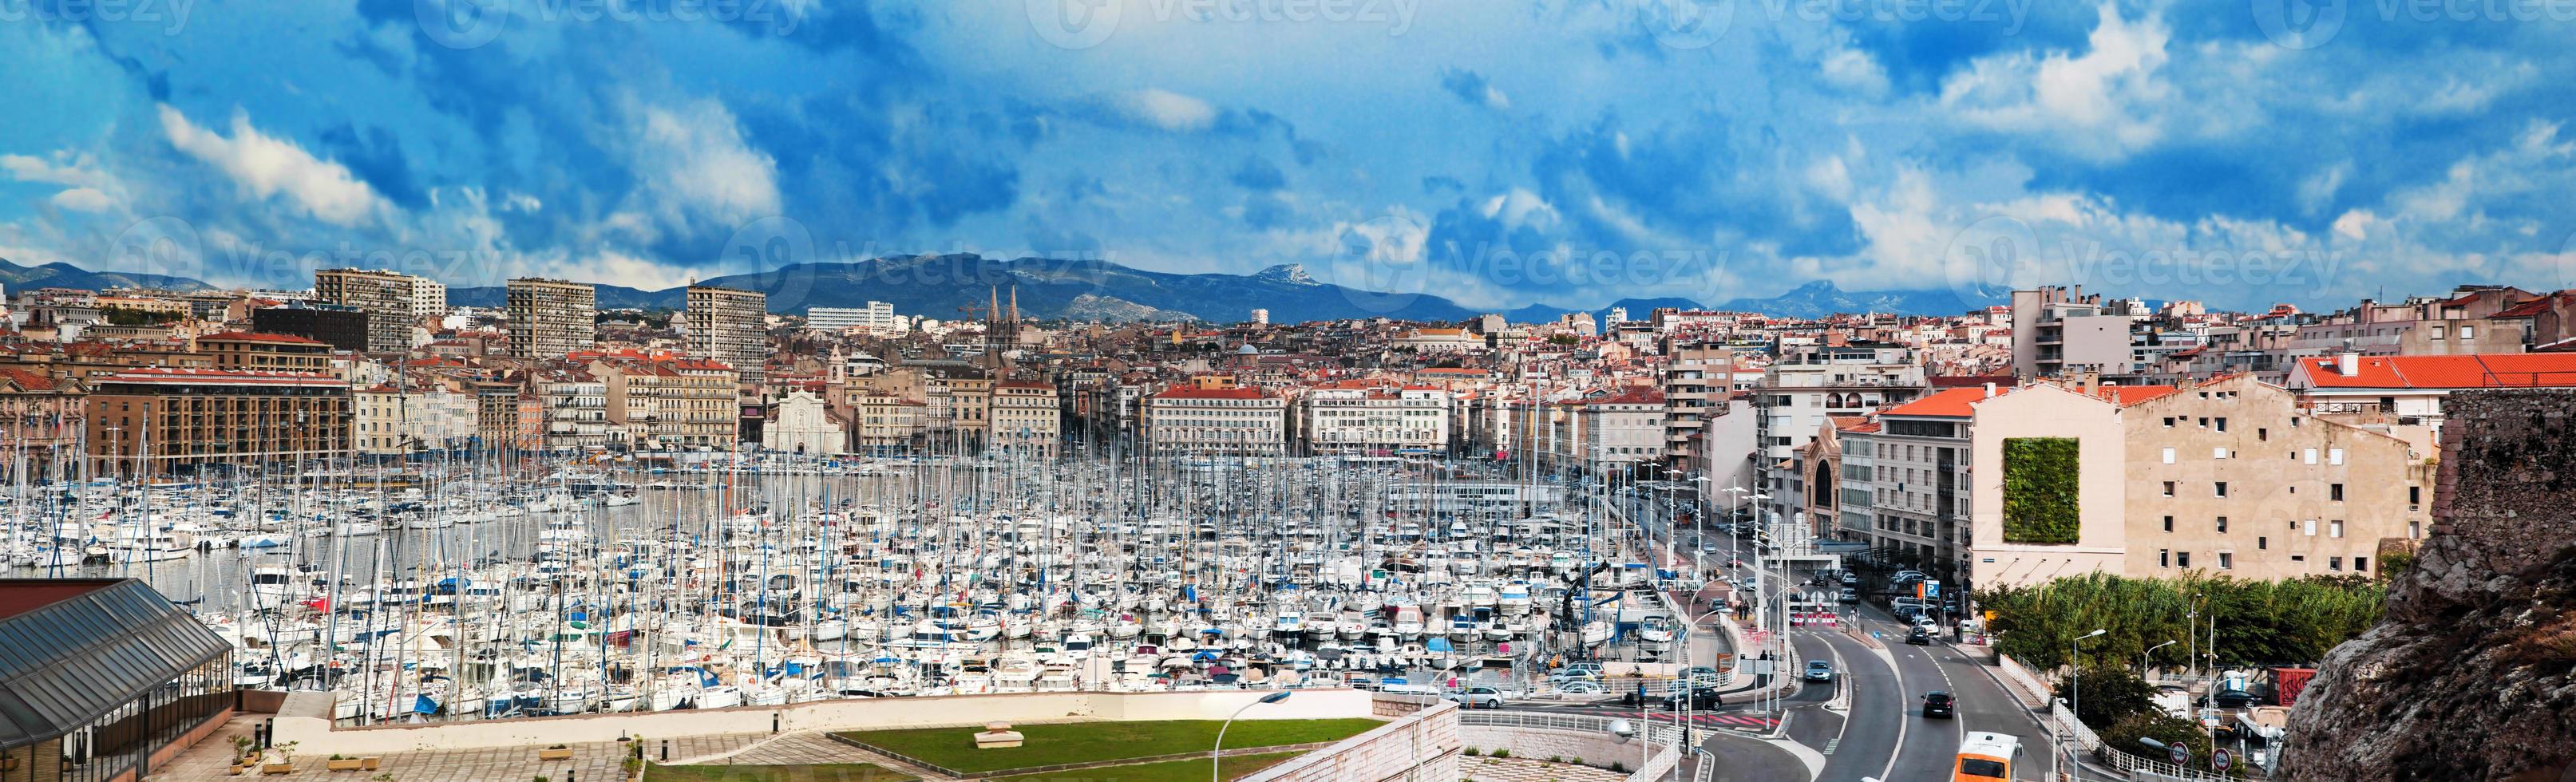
[[447, 591]]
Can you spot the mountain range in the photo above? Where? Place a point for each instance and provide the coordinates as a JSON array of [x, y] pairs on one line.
[[960, 285]]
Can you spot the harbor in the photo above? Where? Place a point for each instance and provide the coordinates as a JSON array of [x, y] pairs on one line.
[[428, 592]]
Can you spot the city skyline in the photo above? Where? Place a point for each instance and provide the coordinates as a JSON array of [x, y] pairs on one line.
[[1568, 155]]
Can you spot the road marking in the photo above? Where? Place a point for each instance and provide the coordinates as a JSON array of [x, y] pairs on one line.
[[1830, 745], [1889, 771]]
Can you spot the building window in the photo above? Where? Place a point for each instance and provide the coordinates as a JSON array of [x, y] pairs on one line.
[[2226, 560], [2263, 434], [2221, 487], [2222, 423], [2169, 456], [2164, 558], [2334, 563], [2182, 559], [2334, 529], [2168, 523], [2468, 332], [2262, 543], [2361, 564], [2334, 491], [2169, 422], [2222, 525], [2169, 488]]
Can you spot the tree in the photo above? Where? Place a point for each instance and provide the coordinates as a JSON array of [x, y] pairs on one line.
[[2111, 694], [2166, 729]]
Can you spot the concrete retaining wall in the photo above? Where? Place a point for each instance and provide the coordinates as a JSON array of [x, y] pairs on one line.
[[305, 718], [1596, 749], [1423, 745]]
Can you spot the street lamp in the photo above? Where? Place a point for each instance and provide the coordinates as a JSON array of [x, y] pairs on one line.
[[2075, 684], [1216, 771], [2142, 656]]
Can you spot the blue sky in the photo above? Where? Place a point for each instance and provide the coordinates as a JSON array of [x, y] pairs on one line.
[[1499, 153]]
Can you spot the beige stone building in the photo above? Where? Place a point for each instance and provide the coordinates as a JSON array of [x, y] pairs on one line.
[[1026, 418], [1230, 421], [394, 302], [2230, 477]]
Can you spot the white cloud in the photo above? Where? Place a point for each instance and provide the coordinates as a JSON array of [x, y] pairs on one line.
[[267, 167], [1169, 110], [694, 161], [1519, 207], [1855, 70], [2318, 190], [2105, 103], [82, 199]]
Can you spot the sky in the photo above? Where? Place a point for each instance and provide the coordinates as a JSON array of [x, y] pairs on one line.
[[1560, 152]]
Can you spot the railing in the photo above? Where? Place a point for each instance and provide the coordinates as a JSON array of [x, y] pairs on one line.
[[2062, 722]]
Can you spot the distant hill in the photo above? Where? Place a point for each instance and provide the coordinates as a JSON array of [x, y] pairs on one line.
[[947, 286], [1821, 298], [958, 285], [64, 275]]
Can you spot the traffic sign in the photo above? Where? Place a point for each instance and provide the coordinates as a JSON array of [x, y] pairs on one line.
[[2218, 759], [2180, 754]]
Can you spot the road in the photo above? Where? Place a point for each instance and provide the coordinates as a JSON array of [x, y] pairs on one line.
[[1879, 730]]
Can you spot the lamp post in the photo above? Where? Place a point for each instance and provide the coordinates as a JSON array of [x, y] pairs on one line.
[[2075, 684], [2142, 656], [1216, 770]]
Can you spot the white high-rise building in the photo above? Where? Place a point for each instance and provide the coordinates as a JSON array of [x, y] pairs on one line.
[[878, 317]]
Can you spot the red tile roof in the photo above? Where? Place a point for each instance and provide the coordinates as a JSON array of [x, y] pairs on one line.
[[1959, 402], [1212, 393], [2493, 370]]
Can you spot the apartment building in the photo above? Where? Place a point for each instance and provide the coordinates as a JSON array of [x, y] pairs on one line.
[[2231, 477], [551, 318], [395, 419], [1620, 430], [1372, 418], [40, 425], [1697, 378], [876, 317], [2057, 330], [1799, 395], [395, 303], [1226, 421], [2465, 322], [888, 424], [1026, 418], [575, 405], [726, 325], [265, 352], [344, 328], [164, 421], [669, 403]]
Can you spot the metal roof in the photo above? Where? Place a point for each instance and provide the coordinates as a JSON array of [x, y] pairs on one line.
[[72, 650]]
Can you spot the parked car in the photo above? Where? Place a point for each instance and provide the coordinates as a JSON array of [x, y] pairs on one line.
[[1850, 596], [1938, 704], [1820, 670], [1907, 577], [2234, 699], [1476, 698], [1580, 687]]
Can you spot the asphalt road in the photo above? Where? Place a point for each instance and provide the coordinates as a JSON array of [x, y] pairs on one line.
[[1885, 734]]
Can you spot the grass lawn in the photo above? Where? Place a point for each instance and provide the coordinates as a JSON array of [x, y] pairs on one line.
[[829, 772], [1091, 742], [1166, 771]]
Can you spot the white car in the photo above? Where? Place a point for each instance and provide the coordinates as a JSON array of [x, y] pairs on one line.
[[1476, 698]]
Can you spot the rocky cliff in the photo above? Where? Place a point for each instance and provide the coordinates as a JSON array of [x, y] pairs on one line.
[[2468, 676]]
